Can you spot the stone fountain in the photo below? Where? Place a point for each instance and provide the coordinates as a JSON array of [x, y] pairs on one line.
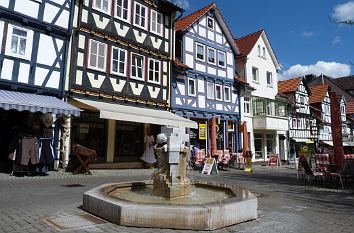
[[170, 200]]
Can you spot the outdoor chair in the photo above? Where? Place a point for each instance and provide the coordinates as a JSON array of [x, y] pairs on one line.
[[226, 159], [322, 162], [240, 160], [308, 172]]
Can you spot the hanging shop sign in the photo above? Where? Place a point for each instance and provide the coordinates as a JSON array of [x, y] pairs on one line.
[[202, 131]]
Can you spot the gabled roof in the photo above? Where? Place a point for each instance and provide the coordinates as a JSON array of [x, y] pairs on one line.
[[345, 82], [246, 43], [318, 93], [290, 85], [350, 107], [187, 21], [184, 23]]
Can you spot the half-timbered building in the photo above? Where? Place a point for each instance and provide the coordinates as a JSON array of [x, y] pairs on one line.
[[302, 119], [34, 39], [120, 69], [320, 99], [264, 110], [205, 91]]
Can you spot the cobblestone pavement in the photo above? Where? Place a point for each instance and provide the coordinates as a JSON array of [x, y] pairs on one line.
[[284, 204]]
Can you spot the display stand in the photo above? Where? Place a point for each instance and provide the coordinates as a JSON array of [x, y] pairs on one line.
[[210, 166]]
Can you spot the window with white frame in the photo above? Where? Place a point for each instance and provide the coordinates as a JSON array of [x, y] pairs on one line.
[[294, 124], [221, 59], [200, 51], [156, 22], [227, 93], [122, 9], [140, 15], [218, 92], [97, 57], [247, 105], [137, 66], [154, 70], [211, 55], [255, 74], [269, 79], [210, 22], [269, 109], [119, 60], [192, 88], [19, 41], [299, 125], [210, 90], [102, 5], [259, 50]]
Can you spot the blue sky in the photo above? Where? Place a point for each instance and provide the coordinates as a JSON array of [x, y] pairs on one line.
[[303, 37]]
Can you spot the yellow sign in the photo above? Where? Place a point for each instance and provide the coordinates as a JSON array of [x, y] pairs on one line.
[[202, 131]]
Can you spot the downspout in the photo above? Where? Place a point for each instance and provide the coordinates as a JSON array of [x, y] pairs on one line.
[[173, 47]]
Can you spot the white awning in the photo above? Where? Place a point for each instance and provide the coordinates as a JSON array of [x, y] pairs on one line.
[[137, 114], [330, 143], [302, 140]]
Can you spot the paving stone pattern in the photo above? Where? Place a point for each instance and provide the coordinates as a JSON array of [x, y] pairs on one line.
[[285, 205]]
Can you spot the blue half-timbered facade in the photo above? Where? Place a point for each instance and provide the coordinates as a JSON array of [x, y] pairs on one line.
[[206, 88], [34, 41]]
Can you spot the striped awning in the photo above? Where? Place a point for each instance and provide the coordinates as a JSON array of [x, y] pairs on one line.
[[35, 103]]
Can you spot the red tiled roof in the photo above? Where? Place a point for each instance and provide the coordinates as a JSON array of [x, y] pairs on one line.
[[246, 43], [187, 21], [350, 107], [180, 64], [318, 93], [289, 85]]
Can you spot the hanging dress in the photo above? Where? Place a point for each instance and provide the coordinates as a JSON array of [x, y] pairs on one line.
[[149, 156]]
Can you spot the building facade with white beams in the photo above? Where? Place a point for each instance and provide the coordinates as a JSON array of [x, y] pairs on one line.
[[206, 91], [262, 108]]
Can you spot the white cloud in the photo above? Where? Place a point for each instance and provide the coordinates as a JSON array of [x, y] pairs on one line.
[[184, 4], [331, 69], [344, 11], [336, 40], [307, 33]]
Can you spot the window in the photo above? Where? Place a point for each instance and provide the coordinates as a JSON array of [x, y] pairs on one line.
[[302, 100], [137, 66], [97, 58], [154, 70], [192, 89], [140, 15], [119, 60], [210, 90], [269, 79], [282, 111], [299, 123], [264, 53], [227, 94], [247, 105], [210, 23], [269, 108], [19, 42], [294, 124], [258, 146], [270, 143], [255, 74], [218, 92], [101, 5], [200, 52], [122, 9], [211, 55], [259, 50], [156, 22], [221, 58]]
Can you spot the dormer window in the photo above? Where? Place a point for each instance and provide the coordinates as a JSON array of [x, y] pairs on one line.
[[210, 22]]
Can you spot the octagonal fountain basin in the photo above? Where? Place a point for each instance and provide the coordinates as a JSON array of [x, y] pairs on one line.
[[209, 206]]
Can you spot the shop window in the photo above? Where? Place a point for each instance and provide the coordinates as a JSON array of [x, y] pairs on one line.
[[129, 144], [270, 144], [89, 130]]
